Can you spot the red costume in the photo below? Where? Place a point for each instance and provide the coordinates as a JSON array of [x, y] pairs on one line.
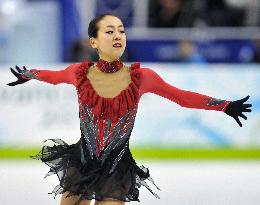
[[101, 165]]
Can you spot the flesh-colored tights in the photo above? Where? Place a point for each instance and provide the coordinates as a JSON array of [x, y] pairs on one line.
[[73, 199]]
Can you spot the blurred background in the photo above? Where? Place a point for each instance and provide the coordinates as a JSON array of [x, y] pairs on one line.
[[207, 46]]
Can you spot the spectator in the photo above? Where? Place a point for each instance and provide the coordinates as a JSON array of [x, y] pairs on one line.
[[256, 47], [219, 13], [171, 13], [252, 10], [187, 52]]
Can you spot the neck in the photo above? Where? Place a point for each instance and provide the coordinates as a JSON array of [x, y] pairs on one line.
[[107, 58], [109, 67]]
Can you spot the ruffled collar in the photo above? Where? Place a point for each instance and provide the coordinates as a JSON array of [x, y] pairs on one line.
[[109, 67], [112, 108]]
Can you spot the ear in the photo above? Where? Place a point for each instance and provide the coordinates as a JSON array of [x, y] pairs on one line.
[[93, 42]]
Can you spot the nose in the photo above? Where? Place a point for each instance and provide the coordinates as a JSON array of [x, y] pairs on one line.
[[117, 35]]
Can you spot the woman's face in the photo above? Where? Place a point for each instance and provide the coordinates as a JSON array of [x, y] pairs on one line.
[[111, 39]]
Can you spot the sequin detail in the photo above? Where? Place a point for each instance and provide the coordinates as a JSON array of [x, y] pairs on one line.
[[90, 130], [140, 182], [109, 67], [120, 133], [29, 74], [101, 140], [118, 158], [215, 102]]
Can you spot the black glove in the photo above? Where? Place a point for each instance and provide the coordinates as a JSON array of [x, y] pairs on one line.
[[19, 74], [235, 109]]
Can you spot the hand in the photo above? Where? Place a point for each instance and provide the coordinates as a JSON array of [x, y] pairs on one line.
[[19, 74], [235, 109]]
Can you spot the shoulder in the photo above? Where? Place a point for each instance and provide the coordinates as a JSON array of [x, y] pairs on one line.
[[77, 66], [82, 68], [143, 73], [79, 70], [137, 66], [143, 76]]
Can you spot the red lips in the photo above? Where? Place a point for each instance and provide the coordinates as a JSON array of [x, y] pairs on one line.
[[117, 45]]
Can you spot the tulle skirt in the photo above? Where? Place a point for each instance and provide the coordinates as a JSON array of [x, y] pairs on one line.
[[81, 175]]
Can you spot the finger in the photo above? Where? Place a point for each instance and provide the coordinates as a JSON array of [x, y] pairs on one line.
[[243, 116], [12, 84], [238, 121], [247, 110], [18, 68], [247, 105], [245, 99], [14, 72]]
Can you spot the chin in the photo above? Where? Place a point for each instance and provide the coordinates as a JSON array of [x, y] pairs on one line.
[[118, 53], [118, 56]]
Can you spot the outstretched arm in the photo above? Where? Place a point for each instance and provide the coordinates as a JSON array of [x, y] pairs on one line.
[[153, 83], [67, 75]]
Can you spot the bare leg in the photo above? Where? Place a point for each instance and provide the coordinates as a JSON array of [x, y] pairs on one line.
[[72, 200], [110, 201]]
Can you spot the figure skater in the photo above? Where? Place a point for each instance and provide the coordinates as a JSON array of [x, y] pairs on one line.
[[100, 165]]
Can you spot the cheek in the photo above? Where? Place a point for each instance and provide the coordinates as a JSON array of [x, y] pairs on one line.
[[104, 45], [106, 39], [124, 40], [103, 39]]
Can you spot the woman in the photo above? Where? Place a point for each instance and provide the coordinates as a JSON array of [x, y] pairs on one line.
[[100, 166]]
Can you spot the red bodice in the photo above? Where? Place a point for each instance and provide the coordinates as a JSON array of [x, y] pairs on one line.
[[113, 108]]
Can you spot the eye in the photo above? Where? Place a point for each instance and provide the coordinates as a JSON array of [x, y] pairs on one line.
[[122, 31], [109, 32]]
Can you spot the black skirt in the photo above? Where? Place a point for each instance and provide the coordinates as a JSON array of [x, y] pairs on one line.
[[81, 175]]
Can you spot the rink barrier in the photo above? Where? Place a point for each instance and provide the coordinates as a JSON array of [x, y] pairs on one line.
[[11, 153]]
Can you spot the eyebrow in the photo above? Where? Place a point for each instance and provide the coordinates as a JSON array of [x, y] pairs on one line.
[[110, 26]]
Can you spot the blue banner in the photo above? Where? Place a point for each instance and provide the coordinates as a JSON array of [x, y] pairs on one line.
[[214, 51]]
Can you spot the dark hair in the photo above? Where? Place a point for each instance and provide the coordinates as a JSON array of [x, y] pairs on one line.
[[93, 27]]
